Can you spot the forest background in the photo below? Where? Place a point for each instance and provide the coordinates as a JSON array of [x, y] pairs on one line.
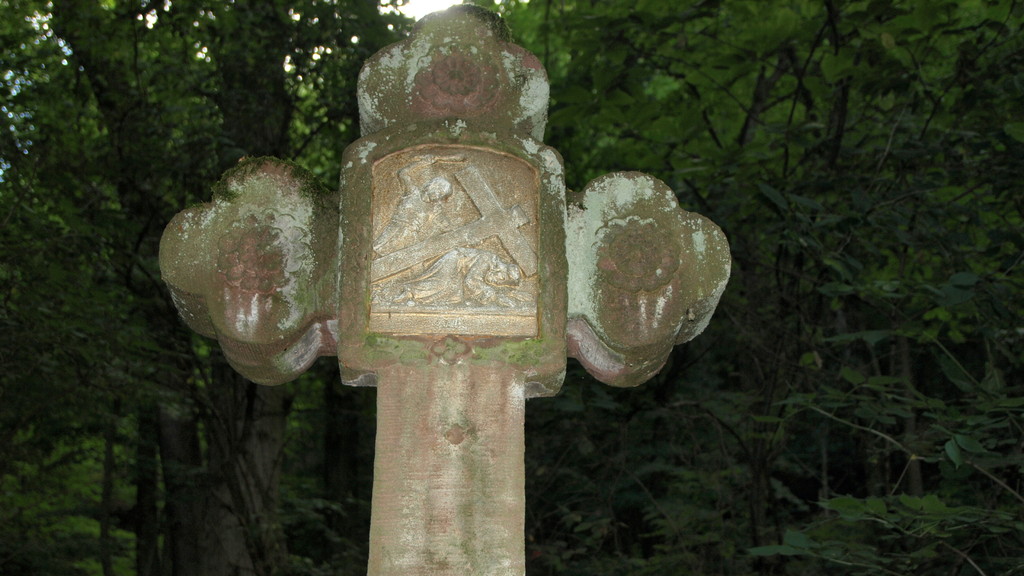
[[855, 407]]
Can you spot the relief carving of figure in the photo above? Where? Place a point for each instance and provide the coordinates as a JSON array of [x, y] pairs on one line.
[[424, 208], [454, 242], [463, 276]]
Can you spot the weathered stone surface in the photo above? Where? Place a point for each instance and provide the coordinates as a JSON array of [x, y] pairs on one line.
[[644, 275], [256, 268], [504, 211], [457, 64], [449, 272], [448, 493], [452, 209]]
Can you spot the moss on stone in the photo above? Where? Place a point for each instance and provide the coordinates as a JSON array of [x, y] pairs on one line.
[[247, 168], [378, 347], [530, 352]]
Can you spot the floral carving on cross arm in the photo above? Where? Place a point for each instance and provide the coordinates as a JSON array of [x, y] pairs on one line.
[[251, 255], [632, 257]]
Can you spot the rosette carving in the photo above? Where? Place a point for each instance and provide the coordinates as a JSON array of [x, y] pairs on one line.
[[250, 257], [629, 260], [456, 85]]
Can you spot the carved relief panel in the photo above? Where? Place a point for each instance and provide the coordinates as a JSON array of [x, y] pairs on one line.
[[455, 240]]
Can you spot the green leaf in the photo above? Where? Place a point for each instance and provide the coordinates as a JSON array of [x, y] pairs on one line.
[[835, 67], [1015, 130], [953, 452], [852, 376], [928, 504], [912, 502], [956, 374], [775, 196], [887, 40], [847, 506], [797, 539], [953, 296], [809, 203], [969, 444], [877, 506], [964, 279], [931, 504], [811, 360]]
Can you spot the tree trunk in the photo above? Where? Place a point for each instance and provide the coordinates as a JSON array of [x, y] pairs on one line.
[[915, 481], [147, 514], [246, 445], [107, 491], [342, 438], [182, 466]]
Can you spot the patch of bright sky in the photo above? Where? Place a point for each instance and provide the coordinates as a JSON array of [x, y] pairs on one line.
[[419, 8]]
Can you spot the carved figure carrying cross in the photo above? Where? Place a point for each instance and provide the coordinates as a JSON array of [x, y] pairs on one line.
[[495, 220], [453, 271]]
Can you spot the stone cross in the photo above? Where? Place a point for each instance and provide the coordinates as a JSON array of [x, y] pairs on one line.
[[453, 271]]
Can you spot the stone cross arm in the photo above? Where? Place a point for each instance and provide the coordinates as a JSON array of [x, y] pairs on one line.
[[257, 269]]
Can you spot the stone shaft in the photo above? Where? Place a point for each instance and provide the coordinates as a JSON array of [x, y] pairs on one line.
[[448, 487]]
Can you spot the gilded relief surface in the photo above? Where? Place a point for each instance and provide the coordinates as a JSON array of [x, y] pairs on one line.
[[455, 241]]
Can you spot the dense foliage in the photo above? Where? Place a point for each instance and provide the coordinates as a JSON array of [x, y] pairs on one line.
[[855, 407]]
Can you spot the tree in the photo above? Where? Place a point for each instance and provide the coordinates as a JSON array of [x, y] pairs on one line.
[[853, 408], [859, 157], [118, 115]]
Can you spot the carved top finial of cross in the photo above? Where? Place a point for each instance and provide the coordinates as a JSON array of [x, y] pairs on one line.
[[453, 271]]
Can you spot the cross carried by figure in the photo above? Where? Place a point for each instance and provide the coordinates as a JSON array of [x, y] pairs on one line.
[[495, 220], [452, 270]]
